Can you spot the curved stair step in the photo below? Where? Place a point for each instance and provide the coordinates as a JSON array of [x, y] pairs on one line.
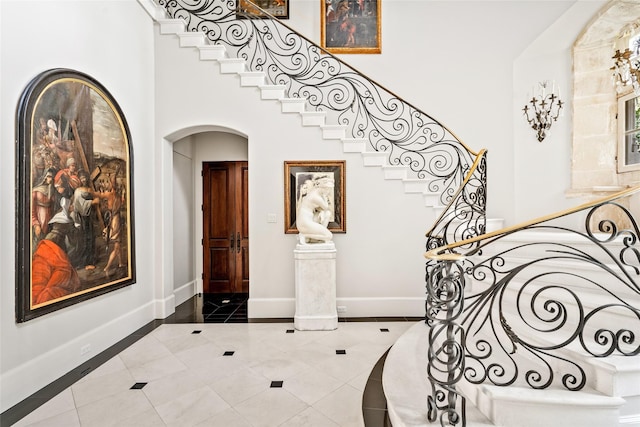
[[406, 389], [405, 384]]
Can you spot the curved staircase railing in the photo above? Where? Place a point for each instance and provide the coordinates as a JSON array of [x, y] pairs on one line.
[[369, 112], [494, 298], [465, 216]]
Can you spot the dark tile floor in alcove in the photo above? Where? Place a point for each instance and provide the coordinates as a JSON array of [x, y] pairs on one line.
[[224, 308]]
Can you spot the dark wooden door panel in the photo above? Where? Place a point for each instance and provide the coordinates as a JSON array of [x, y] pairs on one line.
[[226, 227], [245, 270], [217, 203]]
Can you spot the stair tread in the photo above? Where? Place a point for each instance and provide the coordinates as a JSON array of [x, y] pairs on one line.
[[406, 386], [555, 396], [406, 391]]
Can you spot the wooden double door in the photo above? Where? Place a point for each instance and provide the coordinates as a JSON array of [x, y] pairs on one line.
[[225, 227]]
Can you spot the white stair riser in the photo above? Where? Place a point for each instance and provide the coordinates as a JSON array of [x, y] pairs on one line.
[[191, 39], [251, 79], [416, 186], [354, 145], [231, 66], [313, 118], [275, 92], [171, 26], [212, 52], [569, 239], [526, 414], [374, 159], [569, 273], [333, 132], [395, 172], [292, 105]]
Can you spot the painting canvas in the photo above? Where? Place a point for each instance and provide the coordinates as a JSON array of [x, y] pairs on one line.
[[350, 26], [300, 173], [74, 222], [277, 8]]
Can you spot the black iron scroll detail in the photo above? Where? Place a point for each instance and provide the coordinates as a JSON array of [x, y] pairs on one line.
[[369, 112], [446, 357]]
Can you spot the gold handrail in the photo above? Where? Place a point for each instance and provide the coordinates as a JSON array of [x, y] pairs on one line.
[[436, 253]]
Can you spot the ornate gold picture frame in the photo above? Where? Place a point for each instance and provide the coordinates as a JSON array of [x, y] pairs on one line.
[[277, 8], [74, 194], [297, 173], [350, 26]]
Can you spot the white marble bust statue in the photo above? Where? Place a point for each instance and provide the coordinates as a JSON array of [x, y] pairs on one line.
[[313, 214]]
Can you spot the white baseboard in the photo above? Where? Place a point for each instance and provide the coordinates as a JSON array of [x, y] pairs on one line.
[[353, 307], [260, 308], [165, 307], [184, 292], [24, 380]]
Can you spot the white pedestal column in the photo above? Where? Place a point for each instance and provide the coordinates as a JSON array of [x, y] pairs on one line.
[[315, 274]]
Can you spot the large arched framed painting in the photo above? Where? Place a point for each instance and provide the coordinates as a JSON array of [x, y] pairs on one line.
[[74, 194]]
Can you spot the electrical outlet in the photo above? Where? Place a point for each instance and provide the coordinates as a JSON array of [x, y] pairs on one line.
[[342, 309], [85, 349]]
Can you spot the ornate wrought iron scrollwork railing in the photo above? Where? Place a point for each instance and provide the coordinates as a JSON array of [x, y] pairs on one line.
[[462, 219], [465, 215], [369, 112], [578, 289]]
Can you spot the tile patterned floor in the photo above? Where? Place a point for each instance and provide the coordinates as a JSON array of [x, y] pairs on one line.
[[229, 374]]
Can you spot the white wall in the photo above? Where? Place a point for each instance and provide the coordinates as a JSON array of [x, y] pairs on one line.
[[455, 61], [111, 41], [380, 265], [380, 256], [543, 169], [183, 231]]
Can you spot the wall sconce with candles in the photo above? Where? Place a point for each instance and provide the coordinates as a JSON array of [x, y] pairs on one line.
[[626, 61], [543, 109]]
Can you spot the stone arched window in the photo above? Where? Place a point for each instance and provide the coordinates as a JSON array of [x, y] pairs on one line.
[[595, 102]]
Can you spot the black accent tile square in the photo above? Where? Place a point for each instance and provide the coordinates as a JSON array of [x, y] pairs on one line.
[[384, 329], [290, 331], [341, 351], [196, 332], [138, 386], [228, 353], [276, 384]]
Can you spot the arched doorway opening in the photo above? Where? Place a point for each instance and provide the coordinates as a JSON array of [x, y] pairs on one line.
[[191, 148]]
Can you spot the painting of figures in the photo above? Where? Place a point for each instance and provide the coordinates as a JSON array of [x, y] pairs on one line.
[[350, 26], [277, 8], [75, 237]]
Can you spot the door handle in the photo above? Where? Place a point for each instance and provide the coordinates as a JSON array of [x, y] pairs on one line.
[[238, 242], [231, 241]]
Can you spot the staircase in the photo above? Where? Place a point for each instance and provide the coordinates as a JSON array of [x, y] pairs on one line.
[[431, 185], [611, 394], [611, 399], [552, 326]]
